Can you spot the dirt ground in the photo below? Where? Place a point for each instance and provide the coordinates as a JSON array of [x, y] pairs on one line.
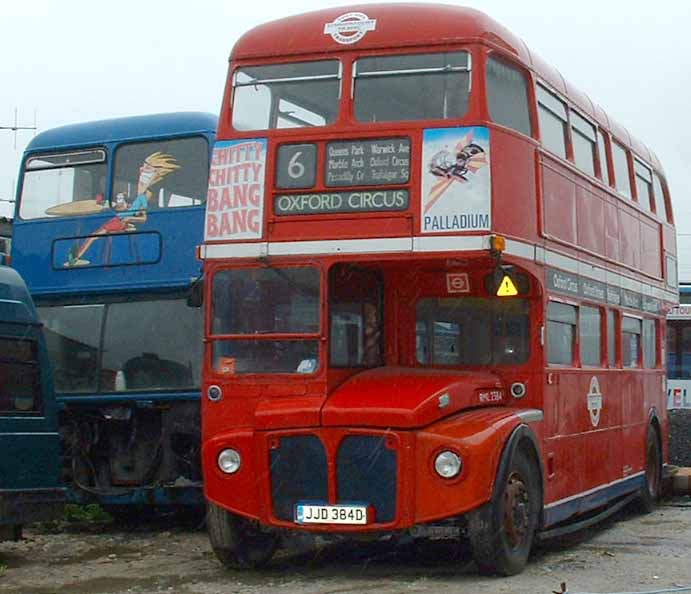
[[631, 553]]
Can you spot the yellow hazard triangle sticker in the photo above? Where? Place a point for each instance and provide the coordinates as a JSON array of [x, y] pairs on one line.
[[506, 287]]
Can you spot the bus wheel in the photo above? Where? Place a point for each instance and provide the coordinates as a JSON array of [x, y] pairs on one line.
[[237, 542], [501, 532], [650, 492]]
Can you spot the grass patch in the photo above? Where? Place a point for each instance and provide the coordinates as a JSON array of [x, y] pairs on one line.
[[89, 514]]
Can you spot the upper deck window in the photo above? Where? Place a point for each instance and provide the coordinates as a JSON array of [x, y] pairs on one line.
[[63, 184], [602, 156], [584, 141], [294, 95], [165, 173], [412, 87], [552, 116], [644, 185], [621, 169], [660, 201], [507, 95]]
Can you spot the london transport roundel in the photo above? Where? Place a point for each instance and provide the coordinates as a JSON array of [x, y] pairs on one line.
[[350, 27], [594, 401]]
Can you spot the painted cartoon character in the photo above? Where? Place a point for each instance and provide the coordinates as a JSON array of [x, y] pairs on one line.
[[129, 214], [468, 158]]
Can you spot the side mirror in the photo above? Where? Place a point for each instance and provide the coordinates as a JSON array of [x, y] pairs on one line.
[[196, 296]]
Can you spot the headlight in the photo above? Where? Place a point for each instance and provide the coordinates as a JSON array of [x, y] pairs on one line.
[[229, 461], [448, 464]]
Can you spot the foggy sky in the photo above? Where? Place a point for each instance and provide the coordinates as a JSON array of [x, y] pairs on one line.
[[78, 61]]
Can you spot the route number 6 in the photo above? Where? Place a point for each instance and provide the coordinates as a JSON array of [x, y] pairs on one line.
[[296, 169]]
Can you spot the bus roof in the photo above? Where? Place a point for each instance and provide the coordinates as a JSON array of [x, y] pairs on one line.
[[119, 129], [416, 25], [15, 302]]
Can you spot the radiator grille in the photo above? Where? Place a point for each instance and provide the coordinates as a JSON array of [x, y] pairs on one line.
[[298, 473], [367, 473]]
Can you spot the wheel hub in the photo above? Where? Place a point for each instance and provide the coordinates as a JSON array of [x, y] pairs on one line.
[[516, 509]]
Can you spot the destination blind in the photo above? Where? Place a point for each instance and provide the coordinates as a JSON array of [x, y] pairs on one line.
[[368, 162]]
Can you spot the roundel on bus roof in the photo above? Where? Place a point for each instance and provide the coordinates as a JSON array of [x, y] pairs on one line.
[[350, 27]]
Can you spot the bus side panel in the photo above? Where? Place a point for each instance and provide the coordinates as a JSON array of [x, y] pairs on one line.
[[508, 148], [29, 461]]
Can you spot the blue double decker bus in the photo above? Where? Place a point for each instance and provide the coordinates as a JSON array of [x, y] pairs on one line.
[[108, 217], [29, 445]]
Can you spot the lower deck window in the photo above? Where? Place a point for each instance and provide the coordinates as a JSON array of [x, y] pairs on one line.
[[561, 333], [472, 331], [649, 343], [589, 323], [20, 376], [611, 337], [124, 346], [356, 317], [631, 333]]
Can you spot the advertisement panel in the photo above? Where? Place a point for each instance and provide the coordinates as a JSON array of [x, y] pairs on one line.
[[456, 180], [235, 200]]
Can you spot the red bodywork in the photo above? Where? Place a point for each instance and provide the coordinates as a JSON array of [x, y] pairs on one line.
[[538, 200]]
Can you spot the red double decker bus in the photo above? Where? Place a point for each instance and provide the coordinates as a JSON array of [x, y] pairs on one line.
[[436, 281]]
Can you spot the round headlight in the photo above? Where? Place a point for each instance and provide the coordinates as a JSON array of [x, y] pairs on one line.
[[448, 464], [229, 461]]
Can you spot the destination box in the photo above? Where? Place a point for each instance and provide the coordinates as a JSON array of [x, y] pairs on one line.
[[377, 162], [340, 202]]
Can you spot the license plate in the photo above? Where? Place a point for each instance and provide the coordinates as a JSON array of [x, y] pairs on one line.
[[330, 514]]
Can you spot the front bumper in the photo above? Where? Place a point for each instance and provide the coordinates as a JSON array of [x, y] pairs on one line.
[[389, 471]]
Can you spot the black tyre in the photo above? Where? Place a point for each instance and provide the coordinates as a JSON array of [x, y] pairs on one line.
[[238, 543], [650, 492], [501, 532]]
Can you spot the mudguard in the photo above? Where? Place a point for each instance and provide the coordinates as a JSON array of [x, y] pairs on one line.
[[485, 439]]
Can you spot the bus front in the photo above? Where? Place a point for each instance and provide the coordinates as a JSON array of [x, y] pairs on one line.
[[373, 349], [108, 216]]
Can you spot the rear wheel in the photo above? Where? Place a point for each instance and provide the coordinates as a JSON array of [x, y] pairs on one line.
[[650, 492], [238, 543], [501, 532]]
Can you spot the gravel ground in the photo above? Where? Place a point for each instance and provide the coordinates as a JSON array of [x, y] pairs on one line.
[[632, 553]]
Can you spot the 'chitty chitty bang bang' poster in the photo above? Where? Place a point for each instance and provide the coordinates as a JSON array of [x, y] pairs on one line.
[[235, 201], [456, 182]]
